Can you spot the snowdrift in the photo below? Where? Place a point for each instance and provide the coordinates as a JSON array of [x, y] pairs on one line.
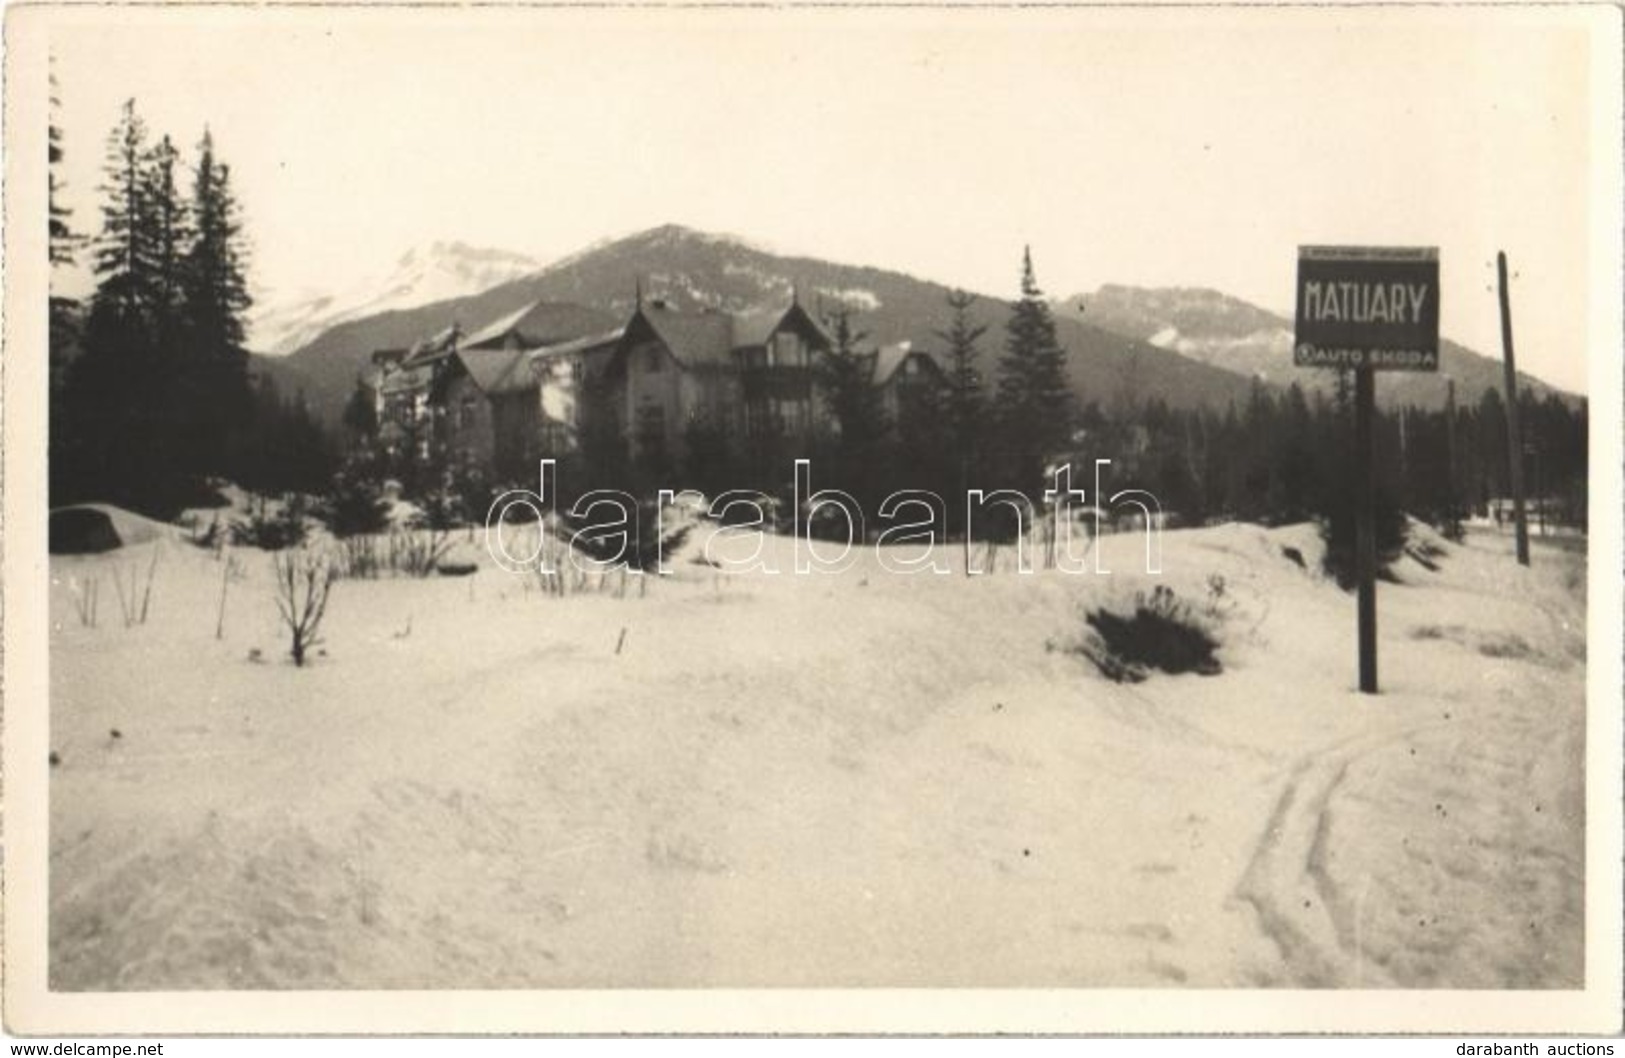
[[863, 779], [93, 528]]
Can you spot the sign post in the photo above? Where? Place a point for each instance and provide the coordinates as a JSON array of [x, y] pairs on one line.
[[1365, 523], [1367, 309]]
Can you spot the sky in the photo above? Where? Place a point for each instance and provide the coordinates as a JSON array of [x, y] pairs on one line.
[[1195, 147]]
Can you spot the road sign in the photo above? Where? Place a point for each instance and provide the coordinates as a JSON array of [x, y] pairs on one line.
[[1368, 306]]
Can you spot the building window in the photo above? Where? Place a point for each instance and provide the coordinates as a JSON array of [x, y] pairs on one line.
[[651, 362], [790, 415], [786, 350], [465, 418], [651, 429]]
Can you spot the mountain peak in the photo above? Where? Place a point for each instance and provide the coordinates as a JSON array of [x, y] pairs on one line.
[[693, 270], [677, 235], [424, 274]]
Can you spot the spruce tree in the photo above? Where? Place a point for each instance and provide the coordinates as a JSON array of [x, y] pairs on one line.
[[846, 378], [1035, 403], [64, 320], [214, 293], [361, 414], [964, 401], [170, 239], [123, 310], [116, 402], [63, 241]]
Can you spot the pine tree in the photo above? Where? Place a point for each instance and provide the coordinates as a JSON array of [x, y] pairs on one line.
[[846, 377], [214, 293], [1293, 474], [1035, 402], [170, 238], [361, 414], [62, 238], [965, 402], [123, 310], [115, 401], [64, 319]]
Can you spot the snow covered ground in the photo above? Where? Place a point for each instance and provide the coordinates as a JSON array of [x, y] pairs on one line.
[[864, 779]]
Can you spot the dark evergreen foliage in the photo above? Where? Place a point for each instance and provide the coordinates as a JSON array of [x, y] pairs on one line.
[[65, 314], [355, 505], [158, 398], [856, 414], [1035, 403]]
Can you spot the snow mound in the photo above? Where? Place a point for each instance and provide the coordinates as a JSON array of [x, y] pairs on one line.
[[91, 528]]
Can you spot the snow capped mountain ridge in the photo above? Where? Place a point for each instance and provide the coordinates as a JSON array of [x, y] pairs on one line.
[[1216, 329], [423, 275], [692, 270]]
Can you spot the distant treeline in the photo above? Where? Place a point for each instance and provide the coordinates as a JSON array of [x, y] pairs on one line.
[[1004, 414]]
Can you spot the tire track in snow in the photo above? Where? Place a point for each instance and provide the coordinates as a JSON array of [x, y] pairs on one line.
[[1301, 910], [1278, 869]]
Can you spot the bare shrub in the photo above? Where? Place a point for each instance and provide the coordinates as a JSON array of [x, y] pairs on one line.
[[404, 552], [272, 531], [1163, 633], [304, 582], [84, 601], [136, 602], [418, 552], [360, 557], [231, 568]]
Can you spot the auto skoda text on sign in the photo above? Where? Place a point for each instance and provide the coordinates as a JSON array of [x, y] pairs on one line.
[[1361, 306]]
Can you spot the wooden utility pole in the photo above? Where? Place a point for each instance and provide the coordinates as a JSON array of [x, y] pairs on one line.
[[1450, 447], [1365, 522], [1514, 433]]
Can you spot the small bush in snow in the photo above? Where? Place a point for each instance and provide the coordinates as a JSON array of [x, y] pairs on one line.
[[417, 552], [356, 506], [1220, 603], [272, 532], [1163, 632], [304, 582], [1338, 533]]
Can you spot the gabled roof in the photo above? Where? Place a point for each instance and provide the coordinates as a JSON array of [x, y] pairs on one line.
[[800, 319], [494, 332], [580, 345], [542, 323], [693, 338], [753, 329], [711, 336], [889, 358], [492, 369], [437, 345]]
